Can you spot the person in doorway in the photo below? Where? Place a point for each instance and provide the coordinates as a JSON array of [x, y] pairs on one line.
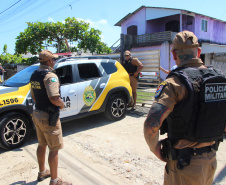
[[45, 91], [133, 66], [191, 113]]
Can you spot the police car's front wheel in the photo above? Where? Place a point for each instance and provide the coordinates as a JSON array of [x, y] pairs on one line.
[[14, 130], [116, 107]]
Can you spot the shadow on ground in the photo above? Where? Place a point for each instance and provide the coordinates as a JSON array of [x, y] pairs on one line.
[[79, 125]]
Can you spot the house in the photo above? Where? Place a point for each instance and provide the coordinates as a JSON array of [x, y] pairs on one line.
[[154, 28]]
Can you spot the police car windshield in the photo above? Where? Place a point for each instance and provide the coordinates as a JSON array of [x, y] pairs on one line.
[[21, 78]]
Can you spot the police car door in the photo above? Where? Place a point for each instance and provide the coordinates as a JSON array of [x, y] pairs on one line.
[[90, 86], [68, 90]]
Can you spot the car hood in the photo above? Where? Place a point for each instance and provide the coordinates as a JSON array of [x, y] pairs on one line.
[[5, 90]]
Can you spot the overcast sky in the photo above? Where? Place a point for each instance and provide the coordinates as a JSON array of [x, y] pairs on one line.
[[101, 14]]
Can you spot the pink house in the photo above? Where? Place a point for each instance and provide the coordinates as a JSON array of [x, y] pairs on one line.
[[153, 28]]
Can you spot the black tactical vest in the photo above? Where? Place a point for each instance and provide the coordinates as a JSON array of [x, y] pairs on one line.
[[201, 116], [37, 84], [127, 64]]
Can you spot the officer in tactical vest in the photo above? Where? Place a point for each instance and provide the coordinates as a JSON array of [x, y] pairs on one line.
[[190, 107], [45, 91], [133, 66], [1, 73]]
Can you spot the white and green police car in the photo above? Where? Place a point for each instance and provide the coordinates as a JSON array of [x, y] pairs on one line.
[[88, 86]]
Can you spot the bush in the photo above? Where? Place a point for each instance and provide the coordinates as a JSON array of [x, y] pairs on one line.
[[16, 59]]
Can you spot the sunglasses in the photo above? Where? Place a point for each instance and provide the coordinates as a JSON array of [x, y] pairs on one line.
[[126, 55]]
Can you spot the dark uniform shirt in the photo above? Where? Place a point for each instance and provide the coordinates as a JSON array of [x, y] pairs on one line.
[[173, 93], [51, 82]]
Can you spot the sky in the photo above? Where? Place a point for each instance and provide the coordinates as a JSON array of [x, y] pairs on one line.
[[101, 14]]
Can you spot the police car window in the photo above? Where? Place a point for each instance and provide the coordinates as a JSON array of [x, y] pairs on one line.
[[87, 71], [21, 78], [109, 67], [65, 74]]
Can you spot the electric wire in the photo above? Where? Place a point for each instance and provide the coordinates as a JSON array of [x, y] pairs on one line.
[[53, 12], [16, 10], [10, 7]]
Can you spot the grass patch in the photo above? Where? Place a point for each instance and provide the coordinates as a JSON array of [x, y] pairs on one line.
[[144, 95]]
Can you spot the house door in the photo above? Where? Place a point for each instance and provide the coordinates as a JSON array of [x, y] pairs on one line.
[[132, 30], [172, 26]]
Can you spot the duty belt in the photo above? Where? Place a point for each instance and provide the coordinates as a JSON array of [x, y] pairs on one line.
[[200, 151], [172, 153]]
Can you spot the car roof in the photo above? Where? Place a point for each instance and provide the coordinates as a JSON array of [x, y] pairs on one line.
[[85, 59]]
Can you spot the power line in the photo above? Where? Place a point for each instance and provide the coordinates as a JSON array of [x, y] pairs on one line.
[[58, 10], [10, 6], [16, 10]]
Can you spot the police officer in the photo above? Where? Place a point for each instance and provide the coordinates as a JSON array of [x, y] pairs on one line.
[[46, 94], [133, 66], [1, 73], [191, 116]]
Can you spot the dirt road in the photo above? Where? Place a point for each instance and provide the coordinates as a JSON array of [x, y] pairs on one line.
[[97, 152]]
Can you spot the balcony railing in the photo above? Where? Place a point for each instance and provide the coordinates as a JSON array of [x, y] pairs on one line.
[[152, 38]]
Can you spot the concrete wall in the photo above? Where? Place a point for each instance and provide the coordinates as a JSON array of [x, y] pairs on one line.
[[219, 61]]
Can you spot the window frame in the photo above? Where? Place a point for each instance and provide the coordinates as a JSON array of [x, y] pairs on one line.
[[71, 74], [88, 78], [204, 25]]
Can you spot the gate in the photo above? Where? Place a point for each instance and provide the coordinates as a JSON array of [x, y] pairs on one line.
[[150, 76]]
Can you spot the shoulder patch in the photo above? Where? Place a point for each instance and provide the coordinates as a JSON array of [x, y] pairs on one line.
[[160, 88], [53, 79]]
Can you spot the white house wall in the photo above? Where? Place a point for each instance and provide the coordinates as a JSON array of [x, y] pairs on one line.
[[155, 13], [213, 48]]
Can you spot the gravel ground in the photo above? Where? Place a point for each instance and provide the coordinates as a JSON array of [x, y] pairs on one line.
[[97, 152]]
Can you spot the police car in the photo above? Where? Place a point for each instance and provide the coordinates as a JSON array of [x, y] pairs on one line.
[[88, 86]]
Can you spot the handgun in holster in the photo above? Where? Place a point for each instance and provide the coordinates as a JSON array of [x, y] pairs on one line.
[[138, 76], [169, 152], [54, 114], [184, 157]]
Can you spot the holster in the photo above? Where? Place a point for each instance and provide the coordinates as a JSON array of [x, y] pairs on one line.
[[184, 157], [54, 114], [138, 76], [169, 152]]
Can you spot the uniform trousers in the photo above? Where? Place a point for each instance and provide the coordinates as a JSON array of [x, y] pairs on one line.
[[200, 171], [47, 135]]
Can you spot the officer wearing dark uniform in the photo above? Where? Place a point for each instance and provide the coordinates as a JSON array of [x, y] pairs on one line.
[[45, 90], [133, 66], [190, 106], [1, 73]]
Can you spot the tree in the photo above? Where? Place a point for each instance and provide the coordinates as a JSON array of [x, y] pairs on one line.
[[5, 49], [39, 35], [92, 41]]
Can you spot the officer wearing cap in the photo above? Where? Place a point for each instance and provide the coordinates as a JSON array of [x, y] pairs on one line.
[[133, 66], [45, 91], [193, 119]]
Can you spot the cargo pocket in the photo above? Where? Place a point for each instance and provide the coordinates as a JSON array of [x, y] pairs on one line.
[[211, 172], [214, 165]]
